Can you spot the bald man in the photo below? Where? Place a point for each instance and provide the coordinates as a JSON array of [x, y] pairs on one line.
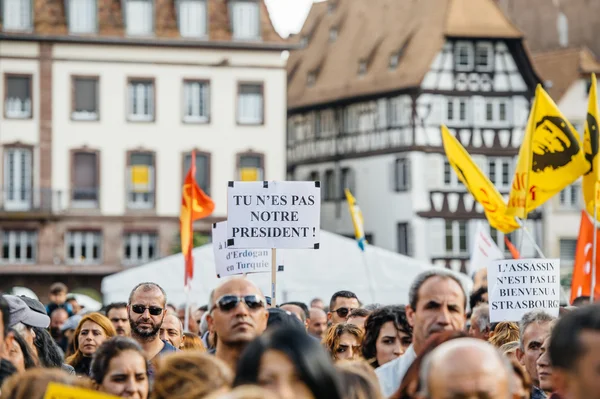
[[317, 322], [490, 379], [238, 316], [172, 330]]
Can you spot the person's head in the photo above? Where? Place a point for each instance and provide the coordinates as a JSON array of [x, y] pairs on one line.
[[91, 332], [318, 322], [387, 335], [480, 322], [437, 302], [510, 350], [120, 368], [58, 317], [146, 310], [343, 341], [299, 310], [23, 318], [503, 333], [317, 303], [117, 314], [185, 375], [581, 301], [192, 342], [359, 382], [358, 317], [440, 378], [282, 318], [290, 363], [18, 352], [522, 382], [340, 306], [533, 329], [58, 293], [480, 279], [477, 297], [575, 353], [171, 330], [47, 351], [238, 314], [544, 366], [33, 383], [72, 300]]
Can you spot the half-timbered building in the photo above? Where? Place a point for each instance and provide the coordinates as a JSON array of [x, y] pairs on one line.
[[367, 92]]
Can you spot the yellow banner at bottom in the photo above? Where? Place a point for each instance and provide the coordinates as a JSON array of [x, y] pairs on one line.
[[59, 391]]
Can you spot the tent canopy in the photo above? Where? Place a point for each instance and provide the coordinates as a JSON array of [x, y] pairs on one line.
[[376, 276]]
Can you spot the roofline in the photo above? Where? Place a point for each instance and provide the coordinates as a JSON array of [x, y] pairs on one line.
[[177, 43]]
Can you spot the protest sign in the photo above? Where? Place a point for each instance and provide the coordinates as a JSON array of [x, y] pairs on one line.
[[273, 214], [230, 262], [59, 391], [516, 287]]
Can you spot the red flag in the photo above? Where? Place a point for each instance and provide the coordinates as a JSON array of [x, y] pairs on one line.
[[582, 270], [513, 251], [195, 204]]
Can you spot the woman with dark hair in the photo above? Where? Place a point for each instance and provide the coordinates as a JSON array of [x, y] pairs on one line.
[[18, 353], [387, 335], [120, 368], [48, 352], [290, 363]]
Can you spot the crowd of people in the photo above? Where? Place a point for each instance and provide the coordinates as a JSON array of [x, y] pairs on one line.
[[441, 345]]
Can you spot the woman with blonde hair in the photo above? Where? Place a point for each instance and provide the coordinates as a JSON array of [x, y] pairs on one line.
[[343, 341], [91, 332], [190, 375], [192, 342], [504, 333]]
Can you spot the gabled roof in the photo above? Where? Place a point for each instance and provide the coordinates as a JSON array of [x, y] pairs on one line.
[[563, 67], [373, 31]]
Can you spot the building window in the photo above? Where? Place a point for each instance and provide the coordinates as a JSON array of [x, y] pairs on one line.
[[362, 68], [456, 237], [333, 34], [402, 174], [489, 111], [85, 101], [202, 169], [82, 16], [245, 17], [19, 246], [140, 248], [140, 19], [141, 100], [16, 15], [313, 176], [500, 171], [17, 178], [17, 98], [251, 167], [450, 177], [450, 110], [192, 18], [311, 79], [502, 111], [394, 60], [457, 110], [570, 197], [567, 249], [84, 247], [140, 180], [484, 56], [329, 189], [404, 241], [86, 181], [348, 181], [463, 53], [196, 97], [250, 104]]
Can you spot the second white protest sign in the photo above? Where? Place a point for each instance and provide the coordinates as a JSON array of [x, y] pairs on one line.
[[273, 214]]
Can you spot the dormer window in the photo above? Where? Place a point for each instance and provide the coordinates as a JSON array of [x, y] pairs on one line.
[[192, 18], [484, 57], [333, 34], [362, 68], [140, 21], [304, 41], [311, 79], [394, 60], [245, 19], [463, 56], [331, 7], [82, 16], [16, 15]]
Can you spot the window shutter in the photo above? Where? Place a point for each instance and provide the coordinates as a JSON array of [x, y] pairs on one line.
[[407, 173]]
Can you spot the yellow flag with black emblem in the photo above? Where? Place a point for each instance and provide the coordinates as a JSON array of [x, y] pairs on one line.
[[591, 136], [550, 157], [478, 184]]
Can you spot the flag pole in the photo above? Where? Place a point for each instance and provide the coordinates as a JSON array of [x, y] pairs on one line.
[[273, 277], [530, 155], [530, 237], [368, 272], [593, 283], [187, 307]]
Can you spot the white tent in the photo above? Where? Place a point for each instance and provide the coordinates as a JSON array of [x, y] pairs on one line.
[[377, 276]]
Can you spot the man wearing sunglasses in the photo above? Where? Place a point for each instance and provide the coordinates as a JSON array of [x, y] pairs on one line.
[[147, 310], [237, 316], [340, 306]]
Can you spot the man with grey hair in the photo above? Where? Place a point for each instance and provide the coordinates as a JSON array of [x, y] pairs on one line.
[[480, 322], [483, 372], [534, 327], [437, 302]]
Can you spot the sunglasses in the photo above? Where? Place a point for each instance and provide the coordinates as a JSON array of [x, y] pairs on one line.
[[229, 302], [343, 312], [153, 310]]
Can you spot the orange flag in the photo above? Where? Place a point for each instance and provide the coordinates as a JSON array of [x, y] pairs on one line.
[[513, 251], [582, 270], [195, 204]]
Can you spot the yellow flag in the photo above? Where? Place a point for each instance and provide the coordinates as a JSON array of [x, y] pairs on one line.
[[550, 157], [591, 137], [59, 391], [478, 184], [357, 219]]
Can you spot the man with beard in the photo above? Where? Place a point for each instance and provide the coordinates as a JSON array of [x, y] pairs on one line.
[[437, 302], [237, 317], [58, 318], [117, 314], [147, 308]]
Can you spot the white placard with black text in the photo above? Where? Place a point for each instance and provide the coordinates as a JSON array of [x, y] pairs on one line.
[[230, 262], [273, 214], [516, 287]]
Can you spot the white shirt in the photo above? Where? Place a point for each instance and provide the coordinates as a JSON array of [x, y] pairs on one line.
[[390, 375]]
